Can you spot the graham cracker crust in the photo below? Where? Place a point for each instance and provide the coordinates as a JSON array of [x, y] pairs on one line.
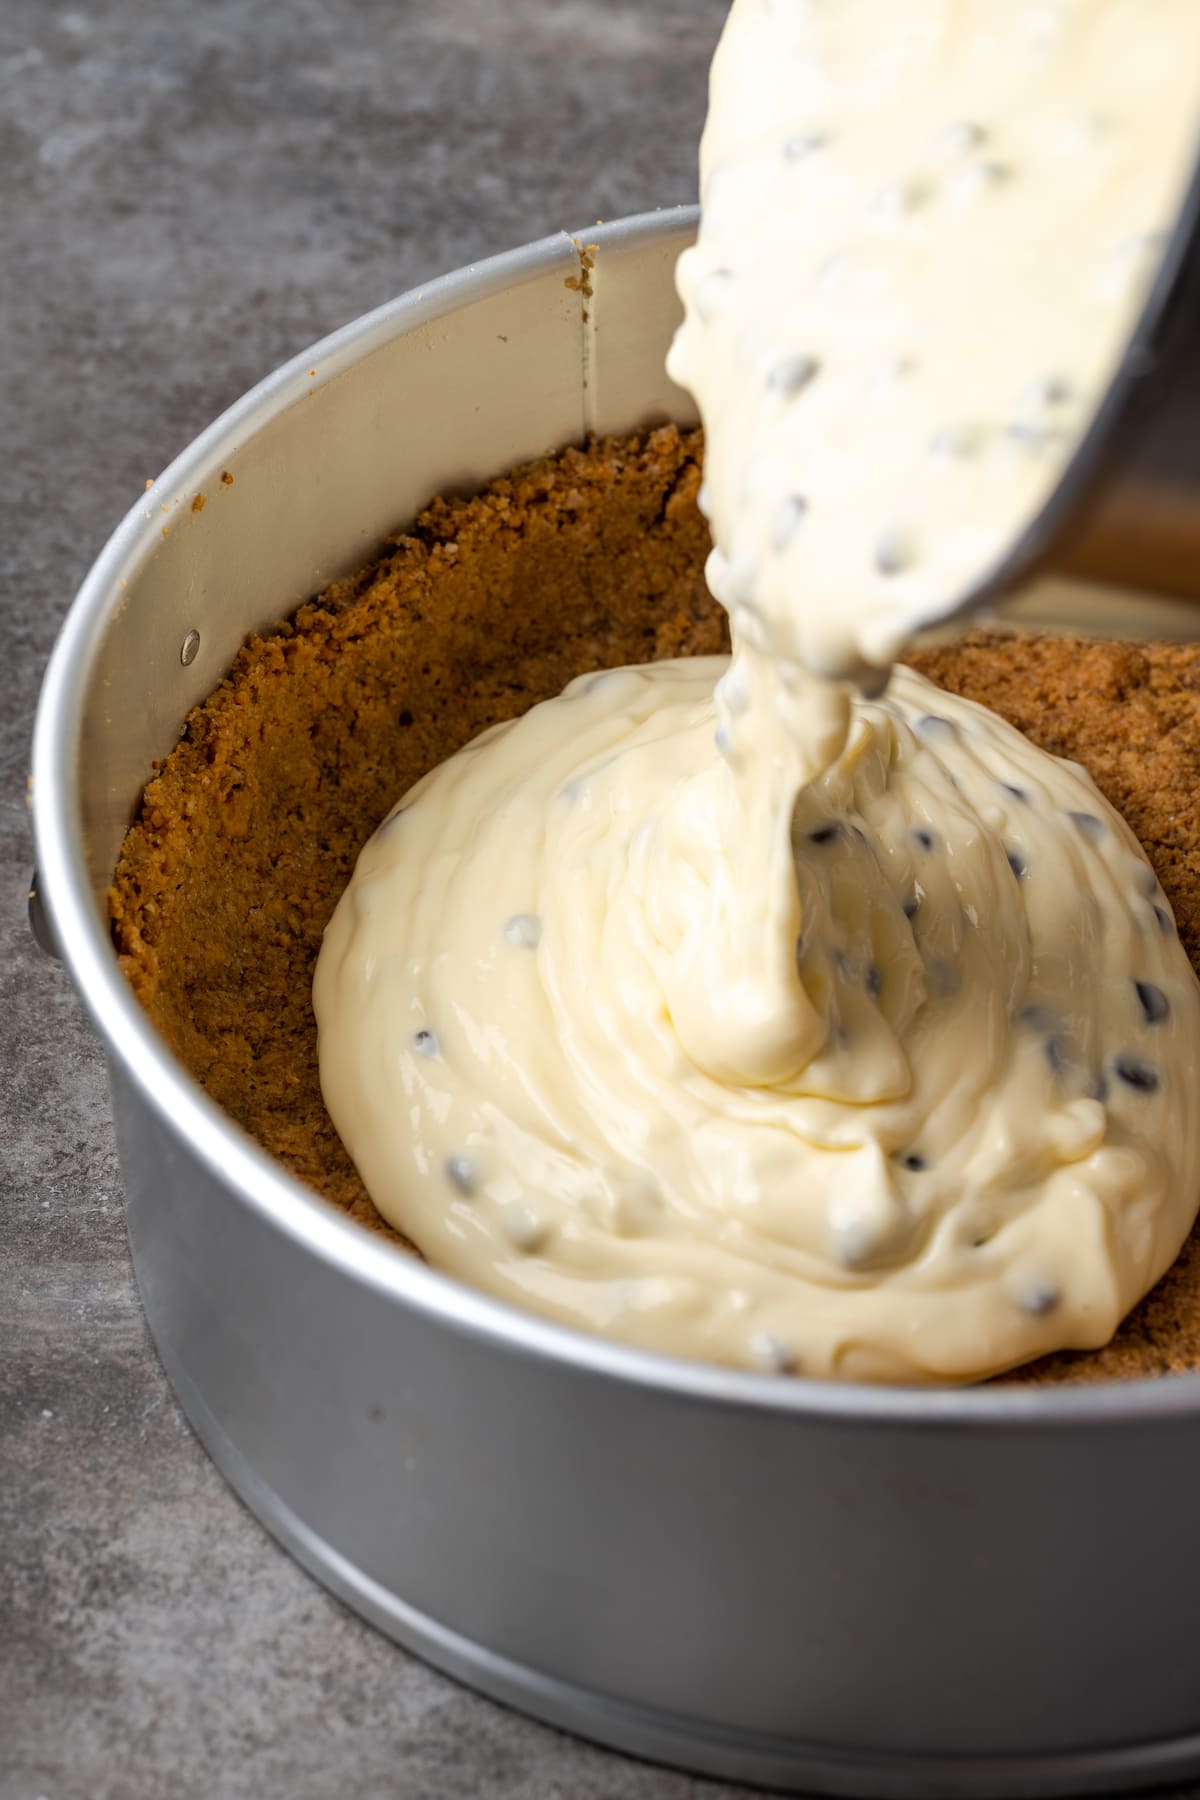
[[584, 559]]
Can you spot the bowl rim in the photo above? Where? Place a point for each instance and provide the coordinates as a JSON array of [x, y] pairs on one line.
[[231, 1156]]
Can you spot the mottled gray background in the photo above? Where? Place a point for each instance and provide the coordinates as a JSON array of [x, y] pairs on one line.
[[190, 191]]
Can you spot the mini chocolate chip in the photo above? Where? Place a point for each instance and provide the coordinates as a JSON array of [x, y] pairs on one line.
[[788, 516], [911, 905], [1136, 1074], [1039, 1298], [1049, 390], [1165, 922], [873, 981], [1016, 862], [523, 931], [895, 552], [1089, 824], [924, 837], [1056, 1056], [826, 834], [425, 1042], [912, 1159], [461, 1173], [792, 375], [1154, 1003], [404, 718]]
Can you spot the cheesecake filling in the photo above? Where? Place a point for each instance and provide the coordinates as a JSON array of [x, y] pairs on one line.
[[782, 1010]]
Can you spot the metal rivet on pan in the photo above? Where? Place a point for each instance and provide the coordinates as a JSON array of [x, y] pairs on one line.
[[189, 647]]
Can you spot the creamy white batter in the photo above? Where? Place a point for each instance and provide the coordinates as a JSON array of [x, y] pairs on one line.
[[994, 1149], [783, 1026], [927, 227]]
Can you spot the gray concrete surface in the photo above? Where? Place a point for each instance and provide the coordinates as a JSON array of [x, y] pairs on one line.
[[189, 193]]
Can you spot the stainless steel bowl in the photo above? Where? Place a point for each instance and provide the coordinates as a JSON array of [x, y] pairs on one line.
[[846, 1590]]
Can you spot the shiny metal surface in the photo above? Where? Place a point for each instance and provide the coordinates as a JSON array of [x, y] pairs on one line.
[[845, 1590]]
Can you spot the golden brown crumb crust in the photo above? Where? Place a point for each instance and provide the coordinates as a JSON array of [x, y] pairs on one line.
[[584, 559]]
